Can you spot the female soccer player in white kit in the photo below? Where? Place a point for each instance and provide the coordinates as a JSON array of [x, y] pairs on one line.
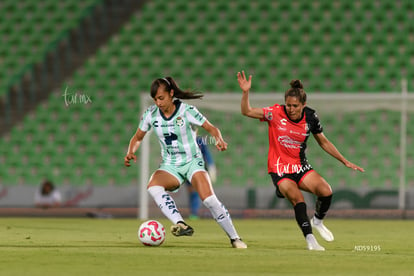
[[181, 157]]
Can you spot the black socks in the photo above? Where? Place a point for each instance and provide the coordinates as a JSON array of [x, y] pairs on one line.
[[322, 206], [302, 218]]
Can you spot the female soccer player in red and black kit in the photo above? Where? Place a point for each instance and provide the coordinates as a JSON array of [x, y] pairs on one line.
[[290, 126]]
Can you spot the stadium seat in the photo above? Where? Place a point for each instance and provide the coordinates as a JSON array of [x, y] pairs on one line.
[[203, 45], [28, 37]]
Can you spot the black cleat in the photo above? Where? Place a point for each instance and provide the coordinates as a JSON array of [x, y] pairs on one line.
[[182, 229]]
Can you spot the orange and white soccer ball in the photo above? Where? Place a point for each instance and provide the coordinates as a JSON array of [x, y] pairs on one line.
[[151, 233]]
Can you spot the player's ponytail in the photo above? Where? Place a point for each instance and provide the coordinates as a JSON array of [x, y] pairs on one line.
[[296, 90], [170, 84]]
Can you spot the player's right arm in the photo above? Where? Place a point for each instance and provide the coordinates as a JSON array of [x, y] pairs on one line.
[[134, 144], [143, 126], [245, 86]]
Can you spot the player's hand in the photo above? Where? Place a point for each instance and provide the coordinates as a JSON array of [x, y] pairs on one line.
[[354, 167], [245, 84], [220, 144], [128, 157]]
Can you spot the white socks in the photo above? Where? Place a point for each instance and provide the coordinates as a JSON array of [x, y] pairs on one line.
[[166, 203], [316, 220], [221, 215]]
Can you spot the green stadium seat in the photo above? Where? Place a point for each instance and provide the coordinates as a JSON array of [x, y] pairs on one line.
[[345, 50], [28, 37]]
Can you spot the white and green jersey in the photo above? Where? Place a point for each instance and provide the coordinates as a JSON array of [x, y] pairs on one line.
[[177, 138]]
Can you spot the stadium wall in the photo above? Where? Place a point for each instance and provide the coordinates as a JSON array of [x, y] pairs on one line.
[[239, 198]]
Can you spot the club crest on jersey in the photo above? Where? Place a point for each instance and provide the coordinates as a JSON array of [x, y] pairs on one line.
[[179, 122], [269, 116]]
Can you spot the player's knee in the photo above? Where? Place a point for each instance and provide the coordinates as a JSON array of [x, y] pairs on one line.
[[155, 190], [295, 201], [211, 202], [324, 191], [294, 196]]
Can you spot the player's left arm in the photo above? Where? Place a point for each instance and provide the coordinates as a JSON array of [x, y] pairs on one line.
[[221, 145], [330, 148]]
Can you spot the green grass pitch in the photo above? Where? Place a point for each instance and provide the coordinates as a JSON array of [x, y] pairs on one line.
[[83, 246]]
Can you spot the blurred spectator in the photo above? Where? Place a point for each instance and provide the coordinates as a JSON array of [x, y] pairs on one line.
[[47, 196]]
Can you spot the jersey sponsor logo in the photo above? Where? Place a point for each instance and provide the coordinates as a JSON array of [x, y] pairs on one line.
[[299, 133], [194, 112], [172, 153], [288, 142], [156, 123], [174, 150], [169, 138], [179, 121]]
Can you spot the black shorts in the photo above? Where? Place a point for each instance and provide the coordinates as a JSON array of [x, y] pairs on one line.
[[295, 177]]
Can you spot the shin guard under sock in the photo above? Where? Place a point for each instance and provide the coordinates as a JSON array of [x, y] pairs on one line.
[[322, 206], [166, 203], [302, 218], [221, 215]]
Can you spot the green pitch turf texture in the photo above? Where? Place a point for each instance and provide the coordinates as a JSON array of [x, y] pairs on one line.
[[83, 246]]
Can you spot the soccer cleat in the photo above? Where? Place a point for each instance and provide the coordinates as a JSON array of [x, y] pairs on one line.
[[313, 243], [323, 231], [182, 229], [238, 243]]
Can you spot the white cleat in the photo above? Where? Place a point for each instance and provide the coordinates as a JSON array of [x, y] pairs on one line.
[[313, 243], [323, 231], [238, 243]]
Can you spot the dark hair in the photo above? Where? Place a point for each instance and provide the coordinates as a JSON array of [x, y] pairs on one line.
[[296, 90], [169, 84], [49, 184]]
